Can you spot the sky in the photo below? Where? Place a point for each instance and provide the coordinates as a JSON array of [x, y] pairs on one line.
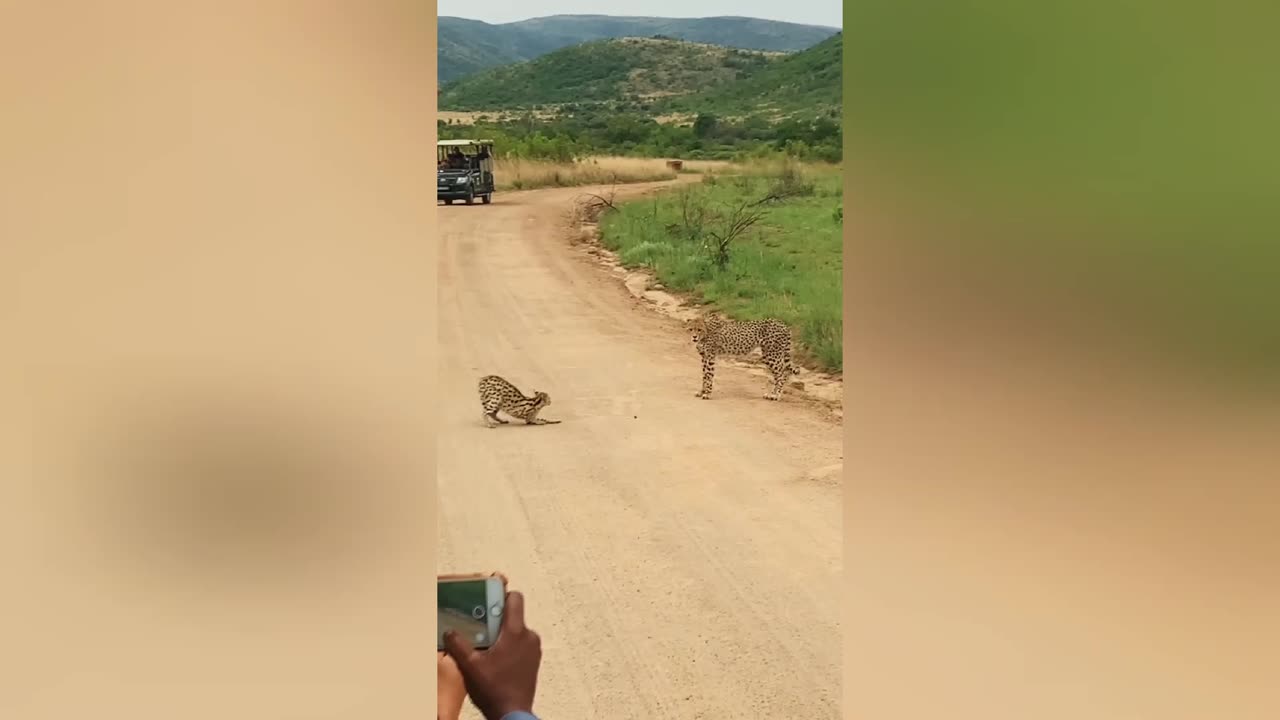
[[810, 12]]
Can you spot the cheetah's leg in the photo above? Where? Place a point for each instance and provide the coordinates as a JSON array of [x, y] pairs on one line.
[[792, 368], [778, 362], [779, 371], [778, 382], [708, 375]]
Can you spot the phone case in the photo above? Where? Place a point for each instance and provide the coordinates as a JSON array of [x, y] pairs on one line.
[[470, 576]]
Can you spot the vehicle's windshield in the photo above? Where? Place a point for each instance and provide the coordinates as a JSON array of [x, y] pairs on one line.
[[455, 158]]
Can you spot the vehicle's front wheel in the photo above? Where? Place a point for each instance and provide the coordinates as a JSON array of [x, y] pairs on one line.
[[448, 201], [471, 199], [486, 198]]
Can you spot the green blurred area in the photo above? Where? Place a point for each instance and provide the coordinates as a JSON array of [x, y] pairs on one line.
[[1150, 124]]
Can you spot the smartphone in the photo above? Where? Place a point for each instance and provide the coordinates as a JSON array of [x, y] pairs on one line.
[[470, 606]]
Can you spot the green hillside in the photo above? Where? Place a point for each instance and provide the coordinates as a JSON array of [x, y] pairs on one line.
[[805, 84], [637, 70], [468, 46]]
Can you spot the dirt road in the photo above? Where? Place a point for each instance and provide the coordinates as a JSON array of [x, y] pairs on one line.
[[679, 558]]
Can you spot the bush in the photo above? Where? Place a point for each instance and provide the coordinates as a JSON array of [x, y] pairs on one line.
[[577, 133], [790, 181]]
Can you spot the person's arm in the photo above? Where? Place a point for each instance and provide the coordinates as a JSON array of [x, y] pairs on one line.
[[451, 691], [502, 680]]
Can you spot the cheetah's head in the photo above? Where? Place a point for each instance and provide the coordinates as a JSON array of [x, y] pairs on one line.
[[697, 331], [542, 399]]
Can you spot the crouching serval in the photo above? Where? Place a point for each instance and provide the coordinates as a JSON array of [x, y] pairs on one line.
[[496, 394]]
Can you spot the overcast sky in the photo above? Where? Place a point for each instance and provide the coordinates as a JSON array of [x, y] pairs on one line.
[[811, 12]]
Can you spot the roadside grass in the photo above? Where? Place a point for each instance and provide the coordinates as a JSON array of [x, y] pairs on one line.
[[788, 265], [522, 174]]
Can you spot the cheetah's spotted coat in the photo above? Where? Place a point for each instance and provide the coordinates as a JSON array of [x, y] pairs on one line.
[[715, 336]]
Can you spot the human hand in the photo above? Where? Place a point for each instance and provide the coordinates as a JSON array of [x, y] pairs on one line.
[[504, 678], [451, 691]]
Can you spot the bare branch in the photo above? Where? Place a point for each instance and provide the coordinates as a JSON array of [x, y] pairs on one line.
[[603, 202], [592, 206]]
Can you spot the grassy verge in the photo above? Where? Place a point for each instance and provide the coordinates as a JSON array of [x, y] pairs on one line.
[[786, 265], [523, 174]]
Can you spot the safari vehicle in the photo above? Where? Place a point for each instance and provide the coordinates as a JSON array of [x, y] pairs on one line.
[[464, 171]]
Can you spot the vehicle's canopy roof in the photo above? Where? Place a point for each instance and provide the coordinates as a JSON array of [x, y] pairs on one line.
[[462, 143]]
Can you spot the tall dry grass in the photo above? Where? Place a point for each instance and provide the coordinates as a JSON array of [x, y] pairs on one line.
[[520, 174], [777, 166]]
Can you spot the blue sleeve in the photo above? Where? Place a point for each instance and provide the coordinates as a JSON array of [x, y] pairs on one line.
[[518, 715]]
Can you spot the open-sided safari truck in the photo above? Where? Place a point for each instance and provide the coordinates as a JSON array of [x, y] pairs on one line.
[[464, 171]]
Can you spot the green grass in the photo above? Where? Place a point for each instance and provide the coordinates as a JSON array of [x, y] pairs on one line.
[[788, 266]]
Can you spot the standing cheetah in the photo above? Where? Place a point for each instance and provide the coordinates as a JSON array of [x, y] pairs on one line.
[[498, 394], [715, 336]]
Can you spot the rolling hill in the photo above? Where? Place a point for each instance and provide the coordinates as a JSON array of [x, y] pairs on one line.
[[807, 83], [469, 46], [640, 70]]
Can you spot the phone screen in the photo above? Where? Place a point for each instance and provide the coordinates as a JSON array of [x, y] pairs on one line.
[[472, 608]]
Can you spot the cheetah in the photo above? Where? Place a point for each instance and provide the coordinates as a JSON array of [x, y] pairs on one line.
[[497, 394], [715, 336]]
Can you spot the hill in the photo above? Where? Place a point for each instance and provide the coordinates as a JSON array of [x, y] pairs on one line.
[[638, 70], [469, 46], [807, 83]]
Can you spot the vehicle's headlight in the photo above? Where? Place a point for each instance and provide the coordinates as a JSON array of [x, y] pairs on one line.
[[462, 181]]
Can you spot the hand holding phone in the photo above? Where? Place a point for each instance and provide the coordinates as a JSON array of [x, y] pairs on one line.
[[504, 678], [451, 690], [471, 605]]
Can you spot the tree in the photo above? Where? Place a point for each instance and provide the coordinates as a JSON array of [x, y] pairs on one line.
[[704, 125]]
